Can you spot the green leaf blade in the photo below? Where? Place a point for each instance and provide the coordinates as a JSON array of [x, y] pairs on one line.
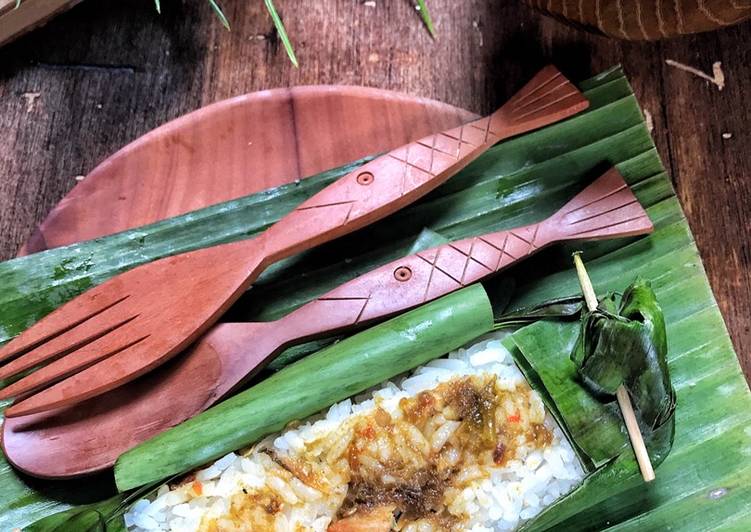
[[426, 18], [597, 427], [220, 14], [280, 29]]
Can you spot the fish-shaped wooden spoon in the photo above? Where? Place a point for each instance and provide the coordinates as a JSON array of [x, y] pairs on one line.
[[136, 321], [90, 436]]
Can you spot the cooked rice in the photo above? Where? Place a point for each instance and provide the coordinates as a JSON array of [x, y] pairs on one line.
[[408, 446]]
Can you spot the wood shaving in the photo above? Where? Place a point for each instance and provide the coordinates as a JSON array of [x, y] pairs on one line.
[[718, 74], [649, 121], [717, 77], [476, 26], [31, 98]]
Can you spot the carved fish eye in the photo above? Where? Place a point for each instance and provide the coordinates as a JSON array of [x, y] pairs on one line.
[[402, 273], [365, 178]]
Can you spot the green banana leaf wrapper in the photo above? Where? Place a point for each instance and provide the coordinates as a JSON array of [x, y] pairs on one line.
[[577, 368], [704, 483]]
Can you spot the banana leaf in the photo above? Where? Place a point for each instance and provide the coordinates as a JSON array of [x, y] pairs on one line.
[[705, 483], [97, 517], [613, 345], [545, 347], [628, 346]]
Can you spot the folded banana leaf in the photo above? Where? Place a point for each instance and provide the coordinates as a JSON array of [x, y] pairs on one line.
[[704, 483], [628, 345], [578, 368]]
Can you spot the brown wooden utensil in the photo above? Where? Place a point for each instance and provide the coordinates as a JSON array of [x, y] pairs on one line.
[[138, 320], [90, 436]]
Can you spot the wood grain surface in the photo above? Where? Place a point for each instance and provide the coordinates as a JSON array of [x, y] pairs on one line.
[[19, 18], [104, 73], [236, 147], [647, 19]]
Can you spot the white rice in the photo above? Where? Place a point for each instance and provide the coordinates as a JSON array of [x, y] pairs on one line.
[[501, 500]]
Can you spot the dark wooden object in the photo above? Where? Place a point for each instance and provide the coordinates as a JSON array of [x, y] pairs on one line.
[[138, 320], [105, 73], [19, 18], [85, 438], [647, 19]]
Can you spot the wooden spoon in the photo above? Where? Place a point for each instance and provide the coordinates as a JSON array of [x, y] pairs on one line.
[[90, 436], [138, 320]]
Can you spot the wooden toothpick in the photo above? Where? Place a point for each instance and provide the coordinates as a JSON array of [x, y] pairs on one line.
[[624, 401]]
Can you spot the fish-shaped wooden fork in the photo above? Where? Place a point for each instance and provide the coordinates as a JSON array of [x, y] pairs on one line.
[[90, 436], [138, 320]]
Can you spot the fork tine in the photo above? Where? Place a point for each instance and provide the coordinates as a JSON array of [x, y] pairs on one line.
[[98, 325], [64, 318], [88, 355], [118, 368]]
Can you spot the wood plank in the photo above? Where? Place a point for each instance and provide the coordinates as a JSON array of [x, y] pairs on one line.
[[30, 14], [109, 71], [712, 168]]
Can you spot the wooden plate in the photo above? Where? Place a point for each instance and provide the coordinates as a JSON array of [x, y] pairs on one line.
[[236, 147]]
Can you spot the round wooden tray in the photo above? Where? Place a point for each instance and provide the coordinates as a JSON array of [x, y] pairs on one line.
[[236, 147]]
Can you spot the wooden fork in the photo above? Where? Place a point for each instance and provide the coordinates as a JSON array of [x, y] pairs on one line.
[[137, 320], [88, 437]]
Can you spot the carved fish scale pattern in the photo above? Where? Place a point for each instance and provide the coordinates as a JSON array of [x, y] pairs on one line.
[[411, 168], [407, 172], [606, 208], [432, 274], [435, 153], [405, 169], [647, 19], [466, 261], [388, 182]]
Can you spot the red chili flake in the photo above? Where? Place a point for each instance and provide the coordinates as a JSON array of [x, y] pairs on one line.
[[197, 488], [498, 453], [514, 418], [369, 432], [426, 399]]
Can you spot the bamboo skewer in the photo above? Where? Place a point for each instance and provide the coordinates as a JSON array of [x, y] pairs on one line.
[[624, 401]]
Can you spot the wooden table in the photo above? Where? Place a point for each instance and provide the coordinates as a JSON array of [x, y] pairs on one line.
[[106, 72]]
